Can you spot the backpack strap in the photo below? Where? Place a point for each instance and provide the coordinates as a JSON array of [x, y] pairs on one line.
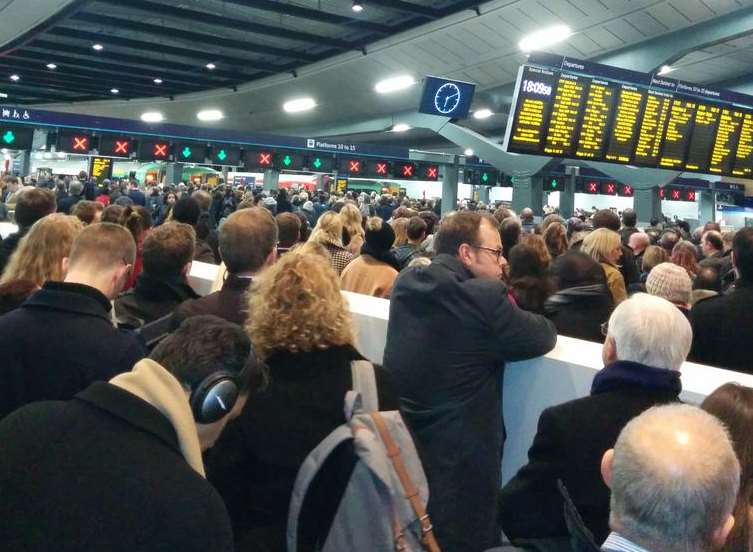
[[364, 383], [409, 488], [306, 474]]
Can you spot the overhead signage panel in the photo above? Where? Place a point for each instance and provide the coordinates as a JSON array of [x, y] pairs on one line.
[[446, 98], [115, 146], [190, 152], [570, 108], [154, 150], [73, 142], [16, 137]]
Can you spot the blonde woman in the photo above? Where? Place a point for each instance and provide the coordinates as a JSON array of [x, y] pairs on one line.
[[328, 233], [300, 325], [605, 247], [400, 226], [353, 225]]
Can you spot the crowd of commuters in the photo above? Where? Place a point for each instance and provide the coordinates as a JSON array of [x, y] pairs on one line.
[[135, 414]]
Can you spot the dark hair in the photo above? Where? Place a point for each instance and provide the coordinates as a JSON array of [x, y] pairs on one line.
[[528, 278], [247, 238], [167, 249], [732, 404], [14, 293], [669, 239], [86, 211], [460, 228], [509, 233], [112, 213], [203, 199], [503, 213], [33, 204], [289, 229], [305, 228], [606, 219], [137, 220], [714, 238], [187, 211], [555, 237], [708, 278], [206, 344], [629, 217], [431, 219], [575, 269], [416, 228], [742, 249]]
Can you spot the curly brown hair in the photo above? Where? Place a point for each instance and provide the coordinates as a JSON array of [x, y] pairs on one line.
[[297, 306]]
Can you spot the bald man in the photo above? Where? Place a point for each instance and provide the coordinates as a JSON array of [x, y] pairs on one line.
[[674, 479], [638, 242]]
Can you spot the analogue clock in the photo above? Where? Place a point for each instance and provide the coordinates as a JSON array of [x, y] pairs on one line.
[[447, 98]]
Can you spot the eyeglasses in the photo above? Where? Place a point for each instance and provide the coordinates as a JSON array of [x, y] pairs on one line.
[[497, 252]]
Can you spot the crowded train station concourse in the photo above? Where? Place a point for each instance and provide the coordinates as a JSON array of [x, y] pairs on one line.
[[376, 275]]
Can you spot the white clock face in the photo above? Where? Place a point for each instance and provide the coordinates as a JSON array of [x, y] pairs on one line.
[[447, 98]]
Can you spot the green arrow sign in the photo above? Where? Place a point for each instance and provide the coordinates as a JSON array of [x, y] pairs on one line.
[[287, 160], [222, 155], [554, 183], [9, 137], [186, 152], [317, 163], [485, 177]]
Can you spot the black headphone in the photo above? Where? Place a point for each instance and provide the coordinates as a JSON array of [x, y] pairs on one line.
[[215, 396]]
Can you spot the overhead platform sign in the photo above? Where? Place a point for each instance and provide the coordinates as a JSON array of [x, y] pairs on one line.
[[564, 107]]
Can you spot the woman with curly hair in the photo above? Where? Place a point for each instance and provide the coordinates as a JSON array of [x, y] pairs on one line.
[[353, 227], [300, 325], [685, 255]]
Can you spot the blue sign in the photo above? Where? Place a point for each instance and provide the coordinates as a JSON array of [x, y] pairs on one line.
[[447, 98]]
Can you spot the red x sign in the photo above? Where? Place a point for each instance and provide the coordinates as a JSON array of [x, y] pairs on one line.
[[354, 166], [627, 190], [81, 143], [160, 150], [432, 172], [407, 170], [122, 147], [381, 168], [675, 194], [691, 195], [593, 187], [265, 158], [610, 188], [662, 193]]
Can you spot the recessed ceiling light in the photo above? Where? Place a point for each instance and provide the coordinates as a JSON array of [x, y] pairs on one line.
[[3, 95], [52, 66], [15, 78], [400, 127], [211, 66], [157, 81], [357, 6], [210, 115], [664, 69], [114, 91], [393, 84], [299, 104], [545, 37], [98, 47], [468, 152], [482, 113], [152, 117]]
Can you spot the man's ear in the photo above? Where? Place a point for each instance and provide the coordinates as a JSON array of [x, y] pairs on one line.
[[465, 254], [720, 535], [64, 266], [609, 350], [606, 467], [186, 269]]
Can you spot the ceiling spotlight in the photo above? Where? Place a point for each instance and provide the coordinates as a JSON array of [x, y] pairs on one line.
[[157, 81], [482, 113], [3, 95], [114, 91], [211, 66], [300, 104], [400, 127], [357, 6], [209, 115], [544, 38], [152, 117], [393, 84], [468, 152], [15, 78], [52, 66], [98, 47], [664, 69]]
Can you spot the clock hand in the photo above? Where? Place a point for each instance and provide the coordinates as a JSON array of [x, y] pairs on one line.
[[448, 98]]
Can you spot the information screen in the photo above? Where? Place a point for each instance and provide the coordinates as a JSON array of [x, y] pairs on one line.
[[576, 109]]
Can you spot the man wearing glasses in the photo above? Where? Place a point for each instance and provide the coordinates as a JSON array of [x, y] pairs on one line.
[[451, 330]]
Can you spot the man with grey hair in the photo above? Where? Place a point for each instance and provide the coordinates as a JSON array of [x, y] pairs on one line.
[[674, 479], [641, 369], [712, 247], [75, 194]]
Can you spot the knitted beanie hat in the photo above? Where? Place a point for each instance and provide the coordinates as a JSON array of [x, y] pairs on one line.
[[379, 235], [671, 282]]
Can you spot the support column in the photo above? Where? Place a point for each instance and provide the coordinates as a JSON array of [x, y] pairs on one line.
[[449, 188], [271, 179], [527, 192], [483, 194], [24, 163], [647, 204], [567, 197], [706, 206], [173, 174]]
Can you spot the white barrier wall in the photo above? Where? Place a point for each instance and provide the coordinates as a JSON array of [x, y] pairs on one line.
[[529, 386]]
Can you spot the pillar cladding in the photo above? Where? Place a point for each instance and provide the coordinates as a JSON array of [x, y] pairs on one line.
[[567, 197], [271, 179], [647, 204], [449, 188], [527, 191], [706, 206], [24, 163], [483, 194], [173, 174]]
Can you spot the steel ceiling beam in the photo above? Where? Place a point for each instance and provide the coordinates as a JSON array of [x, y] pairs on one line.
[[39, 92], [194, 37], [75, 87], [194, 16], [407, 7], [150, 47]]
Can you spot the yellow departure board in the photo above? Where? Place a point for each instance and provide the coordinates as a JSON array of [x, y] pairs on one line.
[[625, 128], [704, 135], [727, 135], [593, 130], [568, 100], [533, 108], [744, 155], [654, 122], [677, 136]]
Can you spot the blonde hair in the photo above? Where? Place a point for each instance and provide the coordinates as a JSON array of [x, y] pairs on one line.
[[40, 253], [600, 243], [297, 306], [352, 220], [328, 230], [400, 226]]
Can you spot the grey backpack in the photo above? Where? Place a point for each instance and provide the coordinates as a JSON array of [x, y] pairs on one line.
[[384, 504]]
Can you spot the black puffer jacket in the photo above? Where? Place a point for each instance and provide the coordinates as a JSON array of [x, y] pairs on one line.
[[580, 311]]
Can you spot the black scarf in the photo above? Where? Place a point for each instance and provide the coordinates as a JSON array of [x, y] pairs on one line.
[[381, 255], [623, 373]]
